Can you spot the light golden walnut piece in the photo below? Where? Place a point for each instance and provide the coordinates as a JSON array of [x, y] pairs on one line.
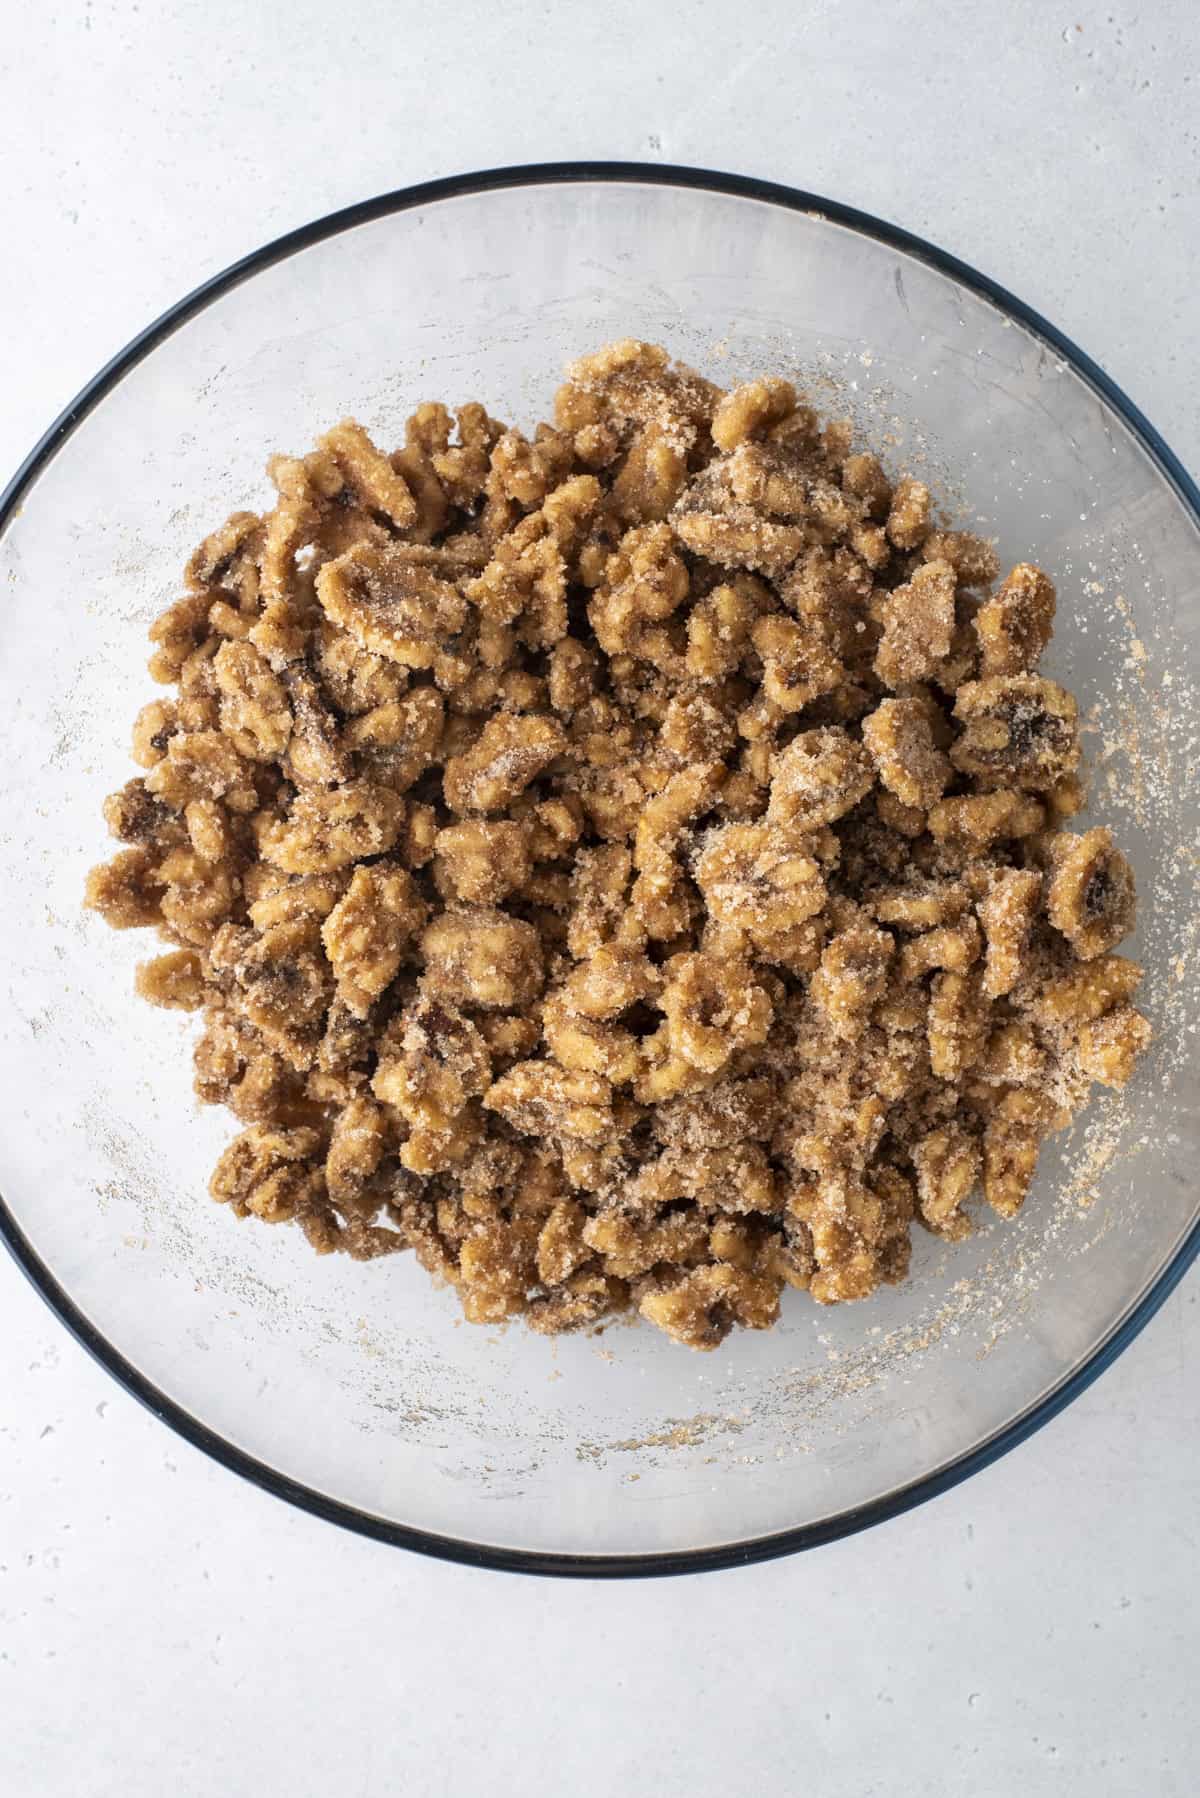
[[481, 956], [713, 1009], [918, 626], [432, 1062], [394, 607], [510, 752], [761, 879], [1109, 1046], [900, 739], [1015, 625], [1007, 912], [621, 859], [818, 778], [948, 1164], [325, 831], [1018, 731], [368, 930], [1091, 896]]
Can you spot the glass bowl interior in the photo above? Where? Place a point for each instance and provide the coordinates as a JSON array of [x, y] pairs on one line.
[[356, 1389]]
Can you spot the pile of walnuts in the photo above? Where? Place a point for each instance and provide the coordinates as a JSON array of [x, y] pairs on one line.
[[624, 865]]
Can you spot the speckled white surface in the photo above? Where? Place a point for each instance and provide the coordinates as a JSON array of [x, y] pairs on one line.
[[164, 1627]]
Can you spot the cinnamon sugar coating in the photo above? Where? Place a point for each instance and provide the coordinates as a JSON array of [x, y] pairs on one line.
[[624, 864]]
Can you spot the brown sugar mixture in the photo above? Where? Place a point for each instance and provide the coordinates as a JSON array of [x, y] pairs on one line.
[[626, 865]]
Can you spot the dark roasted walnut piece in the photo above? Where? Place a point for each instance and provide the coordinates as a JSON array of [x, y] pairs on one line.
[[623, 864]]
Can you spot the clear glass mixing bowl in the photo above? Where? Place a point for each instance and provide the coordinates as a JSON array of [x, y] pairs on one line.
[[355, 1390]]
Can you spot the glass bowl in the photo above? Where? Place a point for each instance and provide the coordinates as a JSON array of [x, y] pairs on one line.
[[355, 1390]]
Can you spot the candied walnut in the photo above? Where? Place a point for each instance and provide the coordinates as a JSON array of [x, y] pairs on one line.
[[583, 1298], [287, 899], [357, 1145], [799, 664], [1085, 992], [921, 904], [899, 737], [651, 476], [852, 975], [1109, 1046], [281, 981], [599, 893], [613, 978], [573, 675], [428, 1149], [225, 563], [497, 1265], [197, 897], [702, 1307], [254, 710], [1007, 912], [1014, 1056], [948, 1163], [316, 753], [977, 820], [134, 815], [153, 729], [511, 751], [354, 680], [918, 626], [269, 1173], [710, 522], [561, 1248], [696, 730], [1015, 625], [482, 860], [629, 382], [751, 410], [727, 1113], [1017, 729], [391, 605], [958, 1022], [713, 1009], [1090, 893], [908, 519], [367, 932], [175, 981], [863, 476], [645, 582], [177, 632], [508, 1039], [719, 626], [1065, 798], [526, 578], [1012, 1138], [480, 956], [374, 481], [779, 483], [202, 765], [953, 946], [906, 820], [325, 831], [538, 1098], [760, 878], [431, 1064], [631, 1246], [972, 558], [398, 741], [818, 778]]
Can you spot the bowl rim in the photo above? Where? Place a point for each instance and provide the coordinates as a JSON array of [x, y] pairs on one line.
[[318, 1504]]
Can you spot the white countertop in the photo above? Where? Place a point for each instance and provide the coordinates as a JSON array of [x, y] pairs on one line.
[[165, 1628]]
